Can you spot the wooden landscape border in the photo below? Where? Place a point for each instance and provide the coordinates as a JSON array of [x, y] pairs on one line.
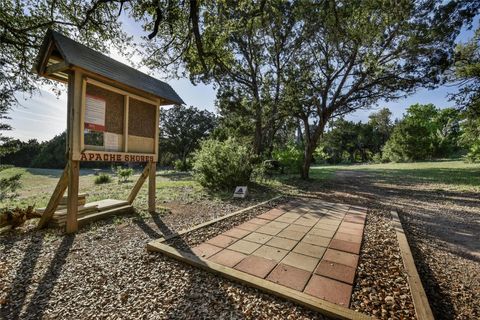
[[322, 306], [420, 300]]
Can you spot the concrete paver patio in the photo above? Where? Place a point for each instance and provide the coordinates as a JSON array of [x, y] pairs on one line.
[[308, 246]]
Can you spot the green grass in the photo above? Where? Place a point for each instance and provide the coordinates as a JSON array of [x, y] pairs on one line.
[[451, 175]]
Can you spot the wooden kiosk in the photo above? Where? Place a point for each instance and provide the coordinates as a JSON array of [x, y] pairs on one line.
[[113, 115]]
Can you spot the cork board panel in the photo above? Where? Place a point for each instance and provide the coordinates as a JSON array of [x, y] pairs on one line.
[[141, 119], [114, 109], [141, 144]]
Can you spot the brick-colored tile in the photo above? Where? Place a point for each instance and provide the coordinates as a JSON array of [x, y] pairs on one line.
[[289, 276], [272, 214], [329, 221], [248, 226], [354, 232], [256, 266], [259, 221], [271, 253], [292, 215], [282, 243], [258, 237], [351, 225], [354, 218], [316, 240], [331, 290], [236, 233], [323, 226], [346, 246], [297, 228], [345, 258], [336, 271], [308, 222], [227, 258], [221, 241], [310, 250], [294, 235], [300, 261], [205, 250], [243, 246], [268, 230], [322, 232], [348, 237]]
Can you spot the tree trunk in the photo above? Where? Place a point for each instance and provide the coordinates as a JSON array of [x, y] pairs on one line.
[[307, 160]]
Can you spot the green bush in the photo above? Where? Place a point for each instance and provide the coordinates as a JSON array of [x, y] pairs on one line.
[[290, 157], [103, 178], [222, 164], [474, 152], [179, 165], [124, 173]]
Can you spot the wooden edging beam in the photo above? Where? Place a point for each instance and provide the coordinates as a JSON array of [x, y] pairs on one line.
[[322, 306], [420, 300], [202, 225], [54, 199]]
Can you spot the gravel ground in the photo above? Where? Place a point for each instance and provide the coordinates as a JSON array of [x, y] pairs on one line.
[[105, 272], [381, 286]]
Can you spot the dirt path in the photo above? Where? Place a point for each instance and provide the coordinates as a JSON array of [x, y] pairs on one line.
[[443, 229]]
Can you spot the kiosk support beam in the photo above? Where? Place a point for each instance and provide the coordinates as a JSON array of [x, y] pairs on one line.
[[54, 199], [138, 184], [72, 200], [152, 187]]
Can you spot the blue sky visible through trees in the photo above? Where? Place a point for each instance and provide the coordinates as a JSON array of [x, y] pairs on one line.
[[44, 115]]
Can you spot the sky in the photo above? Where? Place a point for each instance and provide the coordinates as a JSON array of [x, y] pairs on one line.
[[44, 115]]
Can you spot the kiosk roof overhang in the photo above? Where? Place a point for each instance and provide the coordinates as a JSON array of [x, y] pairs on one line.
[[74, 54]]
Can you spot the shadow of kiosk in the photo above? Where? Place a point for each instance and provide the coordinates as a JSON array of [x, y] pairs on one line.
[[113, 115]]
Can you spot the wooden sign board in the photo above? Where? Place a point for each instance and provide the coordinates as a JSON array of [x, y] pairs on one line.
[[114, 125]]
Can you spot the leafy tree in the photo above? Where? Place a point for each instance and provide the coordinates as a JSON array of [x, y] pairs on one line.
[[52, 154], [182, 129], [21, 153], [359, 52], [382, 127]]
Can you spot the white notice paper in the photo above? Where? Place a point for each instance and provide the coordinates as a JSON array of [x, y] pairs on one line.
[[94, 113], [112, 141]]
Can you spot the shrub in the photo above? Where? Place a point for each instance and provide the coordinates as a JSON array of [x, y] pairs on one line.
[[222, 164], [474, 152], [103, 178], [179, 165], [290, 157], [124, 173]]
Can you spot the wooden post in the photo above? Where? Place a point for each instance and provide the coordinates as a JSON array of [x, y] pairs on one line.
[[138, 184], [152, 187], [54, 199], [72, 200]]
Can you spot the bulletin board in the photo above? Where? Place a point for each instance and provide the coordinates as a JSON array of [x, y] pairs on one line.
[[117, 125]]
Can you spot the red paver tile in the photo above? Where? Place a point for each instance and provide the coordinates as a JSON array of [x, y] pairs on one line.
[[331, 290], [336, 271], [258, 237], [268, 230], [351, 225], [227, 258], [292, 215], [271, 253], [272, 214], [309, 250], [354, 232], [248, 226], [297, 228], [348, 237], [293, 235], [323, 226], [221, 241], [354, 219], [243, 246], [236, 233], [329, 221], [345, 258], [259, 221], [316, 240], [347, 246], [282, 243], [289, 276], [277, 225], [256, 266], [205, 250], [285, 219]]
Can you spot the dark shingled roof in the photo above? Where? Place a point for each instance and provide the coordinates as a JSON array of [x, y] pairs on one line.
[[77, 54]]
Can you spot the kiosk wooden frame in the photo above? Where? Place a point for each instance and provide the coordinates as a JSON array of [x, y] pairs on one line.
[[84, 70]]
